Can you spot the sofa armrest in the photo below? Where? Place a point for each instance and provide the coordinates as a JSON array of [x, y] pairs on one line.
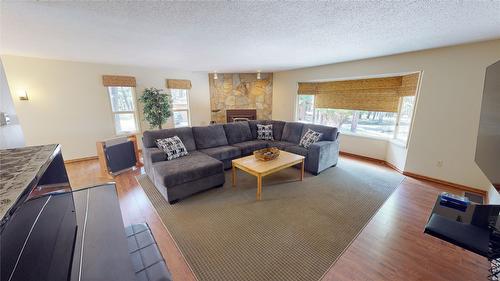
[[322, 146], [322, 155], [152, 155], [157, 156]]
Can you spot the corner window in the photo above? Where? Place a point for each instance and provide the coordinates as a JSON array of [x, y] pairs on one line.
[[180, 107], [389, 125], [123, 108], [380, 107]]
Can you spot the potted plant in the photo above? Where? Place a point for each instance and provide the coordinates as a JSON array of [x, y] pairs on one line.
[[156, 106]]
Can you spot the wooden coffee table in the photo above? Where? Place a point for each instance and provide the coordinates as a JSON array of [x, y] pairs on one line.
[[261, 168]]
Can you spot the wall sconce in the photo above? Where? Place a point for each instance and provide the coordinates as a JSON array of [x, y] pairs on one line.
[[258, 75], [22, 94], [215, 76]]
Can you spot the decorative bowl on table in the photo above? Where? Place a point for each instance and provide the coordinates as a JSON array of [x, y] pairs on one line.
[[267, 154]]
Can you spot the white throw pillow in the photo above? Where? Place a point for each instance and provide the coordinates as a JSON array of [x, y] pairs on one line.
[[309, 138], [265, 132], [173, 147]]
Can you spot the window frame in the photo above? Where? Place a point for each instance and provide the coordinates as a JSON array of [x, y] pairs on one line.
[[114, 113], [392, 139], [187, 109]]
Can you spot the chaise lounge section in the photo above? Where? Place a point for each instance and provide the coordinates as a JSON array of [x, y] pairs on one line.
[[212, 148], [181, 177]]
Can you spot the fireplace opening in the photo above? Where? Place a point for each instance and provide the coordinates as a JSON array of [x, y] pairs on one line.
[[235, 115]]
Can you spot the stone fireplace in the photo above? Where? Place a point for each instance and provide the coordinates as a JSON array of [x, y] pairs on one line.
[[240, 92]]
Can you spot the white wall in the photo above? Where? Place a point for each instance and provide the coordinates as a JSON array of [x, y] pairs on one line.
[[396, 155], [11, 135], [69, 105], [369, 147], [447, 114]]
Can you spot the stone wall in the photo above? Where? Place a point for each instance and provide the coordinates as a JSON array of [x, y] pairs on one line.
[[241, 91]]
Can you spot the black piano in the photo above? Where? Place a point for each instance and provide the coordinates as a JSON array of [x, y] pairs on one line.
[[49, 232]]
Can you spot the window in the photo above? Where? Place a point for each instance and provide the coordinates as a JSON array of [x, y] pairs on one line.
[[124, 110], [305, 108], [180, 107], [379, 107], [359, 122], [405, 115]]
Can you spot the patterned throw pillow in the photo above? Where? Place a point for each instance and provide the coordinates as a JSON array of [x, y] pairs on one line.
[[309, 138], [173, 147], [265, 132]]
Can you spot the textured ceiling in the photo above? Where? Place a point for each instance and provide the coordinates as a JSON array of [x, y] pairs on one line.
[[239, 36]]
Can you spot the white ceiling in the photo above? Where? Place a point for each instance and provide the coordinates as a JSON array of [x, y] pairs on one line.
[[239, 36]]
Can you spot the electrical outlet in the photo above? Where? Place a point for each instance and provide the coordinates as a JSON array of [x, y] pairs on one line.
[[439, 163]]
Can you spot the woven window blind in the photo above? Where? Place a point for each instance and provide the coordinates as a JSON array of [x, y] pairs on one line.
[[178, 84], [118, 81], [375, 94], [409, 84]]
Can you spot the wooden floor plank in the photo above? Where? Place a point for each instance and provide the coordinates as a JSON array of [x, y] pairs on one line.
[[391, 247]]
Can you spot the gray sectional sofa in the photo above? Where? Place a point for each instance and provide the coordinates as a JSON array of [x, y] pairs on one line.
[[211, 149]]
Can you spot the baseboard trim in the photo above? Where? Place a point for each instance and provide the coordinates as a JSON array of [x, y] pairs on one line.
[[362, 157], [80, 159], [393, 167], [417, 176], [451, 184]]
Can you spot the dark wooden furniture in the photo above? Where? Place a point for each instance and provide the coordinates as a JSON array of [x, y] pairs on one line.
[[50, 233], [37, 230], [101, 251], [248, 114]]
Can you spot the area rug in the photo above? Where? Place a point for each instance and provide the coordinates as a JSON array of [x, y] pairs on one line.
[[296, 232]]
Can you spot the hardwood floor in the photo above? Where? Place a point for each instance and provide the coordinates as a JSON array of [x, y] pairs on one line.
[[391, 247]]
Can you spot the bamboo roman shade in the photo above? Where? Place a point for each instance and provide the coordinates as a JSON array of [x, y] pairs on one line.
[[178, 84], [375, 94], [118, 81], [409, 85]]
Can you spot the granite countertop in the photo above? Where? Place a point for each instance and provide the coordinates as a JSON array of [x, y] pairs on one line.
[[18, 168]]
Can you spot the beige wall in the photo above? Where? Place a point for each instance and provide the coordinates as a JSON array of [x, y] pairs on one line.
[[69, 105], [447, 115]]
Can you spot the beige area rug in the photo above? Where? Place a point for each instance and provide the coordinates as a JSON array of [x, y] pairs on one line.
[[296, 232]]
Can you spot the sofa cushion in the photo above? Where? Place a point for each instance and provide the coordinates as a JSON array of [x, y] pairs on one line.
[[280, 144], [209, 136], [265, 132], [237, 132], [277, 128], [173, 147], [253, 126], [297, 150], [195, 166], [222, 152], [248, 147], [328, 133], [185, 134], [292, 132]]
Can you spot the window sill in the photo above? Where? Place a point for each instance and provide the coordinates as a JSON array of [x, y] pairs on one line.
[[365, 136], [392, 141], [126, 134]]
